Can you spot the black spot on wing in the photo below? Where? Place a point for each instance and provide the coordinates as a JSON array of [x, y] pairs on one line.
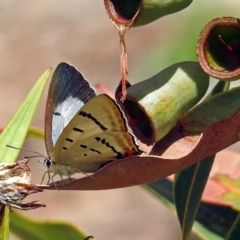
[[89, 116], [69, 139], [64, 148], [108, 145], [95, 150], [57, 113], [78, 130], [91, 149]]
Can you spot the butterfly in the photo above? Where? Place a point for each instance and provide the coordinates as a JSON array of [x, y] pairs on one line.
[[83, 131]]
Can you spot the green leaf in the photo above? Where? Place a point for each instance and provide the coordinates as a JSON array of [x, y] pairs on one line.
[[28, 229], [189, 185], [5, 224], [16, 131], [216, 218], [212, 221], [35, 132], [234, 232], [207, 112], [204, 233], [221, 86]]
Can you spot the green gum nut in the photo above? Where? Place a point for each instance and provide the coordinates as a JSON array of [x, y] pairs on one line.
[[141, 12], [218, 48], [154, 106]]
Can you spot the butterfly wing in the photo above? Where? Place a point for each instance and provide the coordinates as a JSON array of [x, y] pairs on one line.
[[97, 134], [68, 92]]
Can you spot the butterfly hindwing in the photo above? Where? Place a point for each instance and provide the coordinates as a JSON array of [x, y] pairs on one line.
[[97, 150], [98, 133], [68, 92]]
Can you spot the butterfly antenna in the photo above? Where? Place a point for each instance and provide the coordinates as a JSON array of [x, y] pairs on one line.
[[26, 150]]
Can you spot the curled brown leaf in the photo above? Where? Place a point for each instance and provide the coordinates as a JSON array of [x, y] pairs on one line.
[[176, 152]]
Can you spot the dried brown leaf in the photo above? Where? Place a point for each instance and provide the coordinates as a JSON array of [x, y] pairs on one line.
[[15, 185]]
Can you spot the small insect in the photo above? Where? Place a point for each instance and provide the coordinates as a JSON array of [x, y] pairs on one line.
[[82, 131]]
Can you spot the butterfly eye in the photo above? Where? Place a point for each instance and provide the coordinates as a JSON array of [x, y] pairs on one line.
[[47, 162]]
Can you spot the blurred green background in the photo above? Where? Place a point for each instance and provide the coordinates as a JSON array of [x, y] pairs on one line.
[[36, 35]]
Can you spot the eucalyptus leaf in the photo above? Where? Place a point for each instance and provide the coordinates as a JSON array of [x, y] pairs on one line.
[[234, 232], [35, 132], [189, 185], [212, 221], [29, 229], [221, 86], [5, 224]]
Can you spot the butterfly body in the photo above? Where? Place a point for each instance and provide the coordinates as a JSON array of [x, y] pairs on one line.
[[83, 131], [58, 168]]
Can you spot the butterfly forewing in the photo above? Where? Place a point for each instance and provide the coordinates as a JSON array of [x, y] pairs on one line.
[[68, 92], [97, 134]]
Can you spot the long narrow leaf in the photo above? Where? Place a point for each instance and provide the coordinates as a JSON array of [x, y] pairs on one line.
[[234, 233], [28, 229], [221, 86], [212, 221], [189, 185], [205, 234], [35, 132], [5, 224], [16, 131]]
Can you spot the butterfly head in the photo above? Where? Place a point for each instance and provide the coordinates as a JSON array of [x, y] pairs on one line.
[[50, 165], [47, 162]]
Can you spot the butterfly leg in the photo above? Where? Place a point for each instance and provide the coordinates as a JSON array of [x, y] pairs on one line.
[[43, 177], [49, 176], [53, 180], [68, 171], [59, 175]]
